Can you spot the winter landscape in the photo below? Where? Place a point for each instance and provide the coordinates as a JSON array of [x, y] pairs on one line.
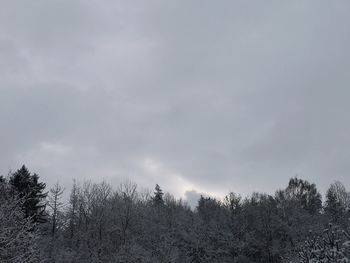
[[174, 131], [101, 224]]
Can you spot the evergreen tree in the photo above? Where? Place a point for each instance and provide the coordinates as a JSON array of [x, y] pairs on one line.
[[158, 196], [31, 191]]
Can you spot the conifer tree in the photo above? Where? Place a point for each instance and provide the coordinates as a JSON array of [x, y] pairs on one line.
[[158, 196], [31, 191]]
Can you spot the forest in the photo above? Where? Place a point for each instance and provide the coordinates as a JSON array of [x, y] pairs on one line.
[[99, 223]]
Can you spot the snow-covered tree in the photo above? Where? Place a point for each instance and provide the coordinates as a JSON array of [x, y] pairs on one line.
[[17, 235], [31, 191], [332, 246], [158, 196], [56, 205], [337, 204]]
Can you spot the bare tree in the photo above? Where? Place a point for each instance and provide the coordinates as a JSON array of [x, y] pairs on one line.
[[55, 205]]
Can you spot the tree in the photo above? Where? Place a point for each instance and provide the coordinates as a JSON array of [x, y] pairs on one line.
[[28, 188], [55, 204], [208, 208], [298, 207], [73, 209], [158, 196], [330, 246], [337, 202], [304, 194], [17, 239], [232, 202]]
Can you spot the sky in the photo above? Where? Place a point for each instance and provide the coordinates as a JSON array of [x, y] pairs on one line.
[[197, 96]]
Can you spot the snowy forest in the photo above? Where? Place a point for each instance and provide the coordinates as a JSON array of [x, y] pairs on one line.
[[95, 222]]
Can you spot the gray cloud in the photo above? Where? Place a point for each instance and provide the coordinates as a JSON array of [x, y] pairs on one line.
[[199, 96]]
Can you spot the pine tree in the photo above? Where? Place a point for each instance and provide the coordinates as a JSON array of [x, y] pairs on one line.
[[31, 191], [158, 196]]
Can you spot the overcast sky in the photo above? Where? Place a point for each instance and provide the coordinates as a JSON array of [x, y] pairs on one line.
[[199, 96]]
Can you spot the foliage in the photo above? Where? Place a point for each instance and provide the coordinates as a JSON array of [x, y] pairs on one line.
[[31, 191]]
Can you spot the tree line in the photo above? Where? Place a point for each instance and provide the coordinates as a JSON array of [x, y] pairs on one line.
[[101, 224]]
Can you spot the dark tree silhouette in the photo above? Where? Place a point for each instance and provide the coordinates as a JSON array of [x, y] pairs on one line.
[[304, 194], [31, 191], [158, 196]]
